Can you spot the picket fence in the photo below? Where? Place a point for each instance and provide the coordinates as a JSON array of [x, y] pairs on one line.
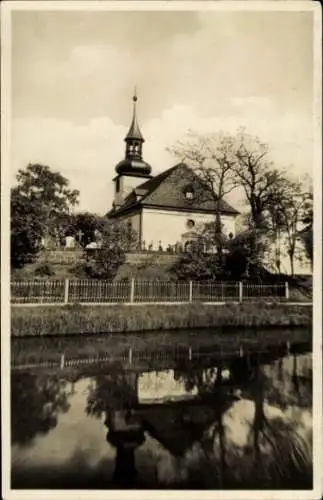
[[134, 291]]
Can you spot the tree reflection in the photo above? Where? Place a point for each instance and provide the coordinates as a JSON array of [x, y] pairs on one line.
[[36, 402], [293, 388], [275, 454], [280, 454], [117, 390], [210, 382]]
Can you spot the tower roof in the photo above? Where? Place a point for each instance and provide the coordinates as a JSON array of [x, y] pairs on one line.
[[134, 130], [133, 163]]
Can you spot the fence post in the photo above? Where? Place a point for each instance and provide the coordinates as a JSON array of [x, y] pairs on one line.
[[286, 290], [132, 290], [62, 361], [190, 291], [67, 284], [240, 291]]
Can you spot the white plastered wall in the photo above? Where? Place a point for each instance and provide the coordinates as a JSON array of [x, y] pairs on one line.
[[127, 184], [166, 227]]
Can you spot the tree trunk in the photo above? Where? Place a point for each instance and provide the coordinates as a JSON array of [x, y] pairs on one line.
[[291, 261], [259, 419], [218, 237], [222, 446], [280, 372], [220, 427], [295, 375], [277, 252]]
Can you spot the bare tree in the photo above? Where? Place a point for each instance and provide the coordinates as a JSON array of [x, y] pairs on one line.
[[292, 201], [212, 158], [256, 174]]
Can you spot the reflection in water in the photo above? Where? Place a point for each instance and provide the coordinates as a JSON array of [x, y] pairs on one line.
[[237, 423], [35, 405]]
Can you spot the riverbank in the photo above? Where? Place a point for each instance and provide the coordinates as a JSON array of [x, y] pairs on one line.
[[69, 320]]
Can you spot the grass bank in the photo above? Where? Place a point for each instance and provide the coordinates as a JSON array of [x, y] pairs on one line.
[[77, 319]]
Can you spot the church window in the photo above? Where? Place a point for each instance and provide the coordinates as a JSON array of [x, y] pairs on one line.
[[118, 185], [190, 223], [189, 193]]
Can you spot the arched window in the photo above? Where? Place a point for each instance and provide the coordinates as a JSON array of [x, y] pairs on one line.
[[189, 192]]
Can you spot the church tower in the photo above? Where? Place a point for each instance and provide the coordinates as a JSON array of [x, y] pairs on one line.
[[133, 170]]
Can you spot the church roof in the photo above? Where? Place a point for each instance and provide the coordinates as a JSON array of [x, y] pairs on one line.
[[165, 424], [168, 190]]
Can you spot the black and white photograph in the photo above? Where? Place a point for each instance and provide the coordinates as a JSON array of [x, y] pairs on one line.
[[161, 249]]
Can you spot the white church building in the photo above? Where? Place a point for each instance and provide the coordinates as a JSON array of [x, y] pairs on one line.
[[167, 209]]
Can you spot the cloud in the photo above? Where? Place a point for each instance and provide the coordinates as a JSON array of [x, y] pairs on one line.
[[87, 154], [75, 68], [73, 74], [252, 101]]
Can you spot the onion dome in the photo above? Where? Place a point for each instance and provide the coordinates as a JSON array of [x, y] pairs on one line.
[[129, 166]]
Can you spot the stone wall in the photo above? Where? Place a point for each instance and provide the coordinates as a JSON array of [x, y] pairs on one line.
[[158, 258], [65, 257]]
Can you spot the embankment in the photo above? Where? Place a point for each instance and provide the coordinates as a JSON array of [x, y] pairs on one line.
[[67, 320]]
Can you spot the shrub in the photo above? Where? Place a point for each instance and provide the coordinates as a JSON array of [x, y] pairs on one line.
[[44, 270], [80, 270]]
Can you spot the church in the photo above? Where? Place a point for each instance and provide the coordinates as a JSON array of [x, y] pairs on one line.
[[167, 210]]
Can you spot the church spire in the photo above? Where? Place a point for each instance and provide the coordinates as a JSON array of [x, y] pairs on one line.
[[133, 164], [134, 133]]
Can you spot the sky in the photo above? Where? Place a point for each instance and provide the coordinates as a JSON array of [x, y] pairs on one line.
[[73, 75]]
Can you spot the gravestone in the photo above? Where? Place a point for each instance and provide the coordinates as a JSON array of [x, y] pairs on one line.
[[70, 242]]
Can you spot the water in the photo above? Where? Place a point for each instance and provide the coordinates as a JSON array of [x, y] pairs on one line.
[[179, 417]]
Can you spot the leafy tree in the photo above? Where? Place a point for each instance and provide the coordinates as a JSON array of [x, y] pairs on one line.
[[196, 264], [49, 190], [117, 239], [83, 226], [244, 254], [26, 229]]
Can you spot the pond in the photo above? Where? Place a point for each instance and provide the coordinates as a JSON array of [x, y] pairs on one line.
[[105, 413]]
